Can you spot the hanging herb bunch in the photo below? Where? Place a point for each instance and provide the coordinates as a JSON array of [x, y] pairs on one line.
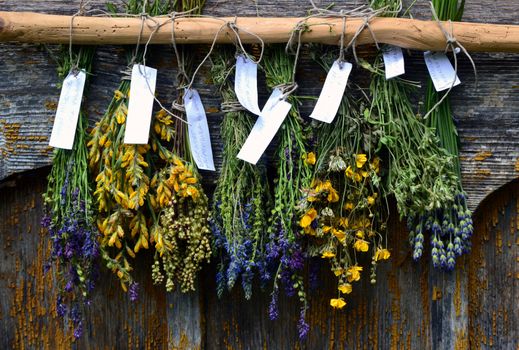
[[241, 198], [182, 235], [421, 175], [451, 227], [343, 211], [69, 216], [285, 250], [147, 195]]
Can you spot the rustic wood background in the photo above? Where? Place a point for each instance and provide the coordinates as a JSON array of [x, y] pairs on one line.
[[412, 306]]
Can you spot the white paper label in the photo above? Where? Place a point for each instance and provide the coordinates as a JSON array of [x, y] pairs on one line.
[[246, 84], [441, 71], [65, 123], [393, 61], [198, 130], [140, 107], [333, 90], [265, 128]]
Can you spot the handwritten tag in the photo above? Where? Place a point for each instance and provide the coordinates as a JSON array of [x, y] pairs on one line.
[[67, 114], [441, 71], [393, 61], [140, 107], [333, 90], [198, 130], [265, 128], [246, 84]]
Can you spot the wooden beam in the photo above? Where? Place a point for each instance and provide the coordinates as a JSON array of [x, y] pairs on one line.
[[407, 33]]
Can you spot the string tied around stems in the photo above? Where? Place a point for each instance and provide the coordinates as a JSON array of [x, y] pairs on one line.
[[451, 45], [231, 106], [235, 30]]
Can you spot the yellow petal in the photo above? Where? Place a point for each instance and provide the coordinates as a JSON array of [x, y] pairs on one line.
[[345, 288], [360, 160], [328, 255], [338, 303], [361, 245], [310, 158]]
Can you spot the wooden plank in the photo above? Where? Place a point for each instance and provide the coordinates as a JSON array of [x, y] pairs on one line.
[[493, 273], [28, 318], [30, 27]]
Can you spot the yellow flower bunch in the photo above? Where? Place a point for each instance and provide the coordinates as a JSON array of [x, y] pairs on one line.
[[342, 217], [132, 195]]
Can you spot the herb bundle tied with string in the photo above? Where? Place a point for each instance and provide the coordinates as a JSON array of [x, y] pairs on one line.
[[343, 211], [285, 250], [241, 199], [452, 225], [147, 195], [69, 213]]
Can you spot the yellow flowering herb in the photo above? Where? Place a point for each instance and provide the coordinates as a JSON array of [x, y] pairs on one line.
[[360, 160], [382, 254], [310, 158], [307, 219], [339, 234], [361, 245], [328, 255], [345, 288], [338, 303], [353, 273]]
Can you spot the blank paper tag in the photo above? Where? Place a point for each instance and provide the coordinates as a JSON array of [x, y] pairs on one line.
[[393, 61], [140, 107], [198, 129], [246, 84], [333, 90], [265, 128], [441, 71], [67, 114]]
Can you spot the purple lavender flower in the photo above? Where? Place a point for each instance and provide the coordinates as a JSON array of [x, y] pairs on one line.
[[273, 307], [302, 326], [78, 330], [133, 291], [61, 308]]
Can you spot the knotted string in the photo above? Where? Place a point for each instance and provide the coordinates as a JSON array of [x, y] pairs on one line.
[[74, 66], [235, 29], [451, 44], [231, 106]]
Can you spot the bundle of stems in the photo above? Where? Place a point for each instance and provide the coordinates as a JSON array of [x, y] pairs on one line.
[[241, 198], [183, 234], [285, 248], [343, 212], [69, 215], [456, 219], [435, 205], [147, 195]]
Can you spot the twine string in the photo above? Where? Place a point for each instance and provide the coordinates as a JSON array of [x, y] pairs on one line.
[[74, 66], [235, 29], [451, 44], [231, 106]]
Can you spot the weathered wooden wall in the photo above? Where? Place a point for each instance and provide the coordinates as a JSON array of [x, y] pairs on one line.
[[412, 306]]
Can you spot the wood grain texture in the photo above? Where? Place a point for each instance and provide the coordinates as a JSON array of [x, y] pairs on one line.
[[31, 27]]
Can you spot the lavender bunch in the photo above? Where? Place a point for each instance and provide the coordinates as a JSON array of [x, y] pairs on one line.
[[241, 198], [69, 217], [285, 249]]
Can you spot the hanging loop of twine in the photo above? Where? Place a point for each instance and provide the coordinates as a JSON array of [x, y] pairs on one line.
[[235, 29], [74, 66], [451, 44]]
